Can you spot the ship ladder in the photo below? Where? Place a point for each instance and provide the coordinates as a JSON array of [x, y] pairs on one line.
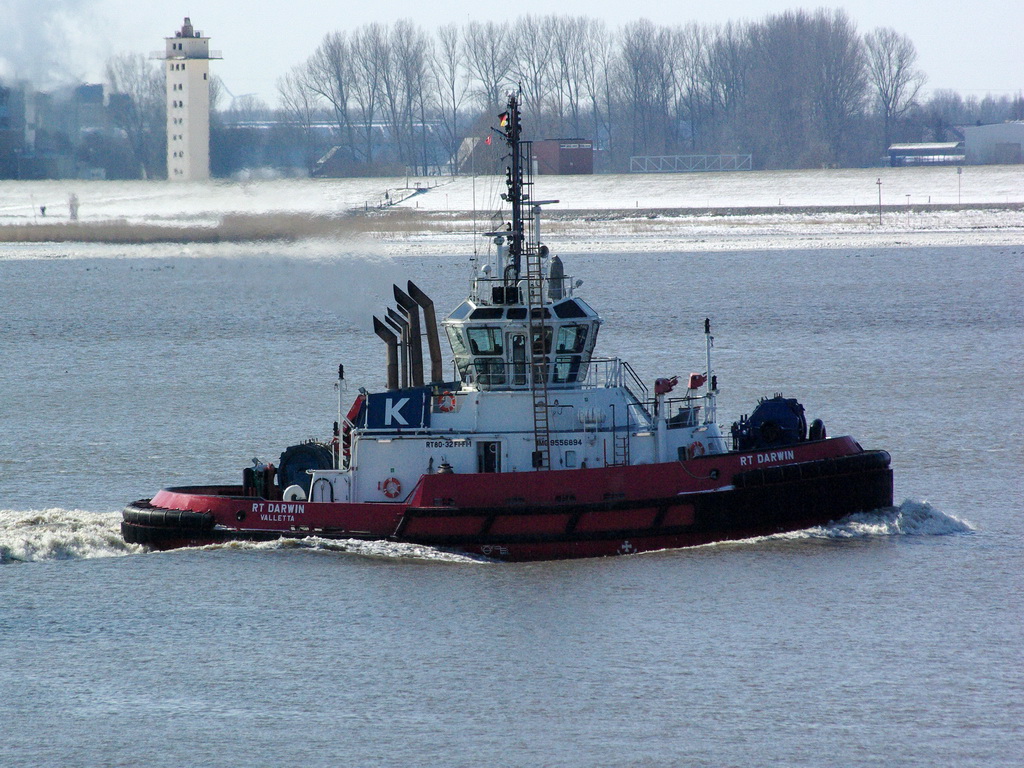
[[538, 357], [620, 451]]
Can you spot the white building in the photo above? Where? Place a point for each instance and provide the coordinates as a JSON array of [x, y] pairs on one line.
[[187, 58], [999, 143]]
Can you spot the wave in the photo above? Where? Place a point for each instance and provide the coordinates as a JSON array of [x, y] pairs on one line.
[[61, 534], [389, 550], [911, 518], [74, 534]]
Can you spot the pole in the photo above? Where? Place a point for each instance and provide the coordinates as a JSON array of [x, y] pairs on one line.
[[879, 183], [339, 425], [710, 413]]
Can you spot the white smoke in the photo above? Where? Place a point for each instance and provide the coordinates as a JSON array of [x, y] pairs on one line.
[[48, 43]]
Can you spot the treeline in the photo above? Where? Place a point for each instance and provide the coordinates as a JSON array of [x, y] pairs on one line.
[[796, 89]]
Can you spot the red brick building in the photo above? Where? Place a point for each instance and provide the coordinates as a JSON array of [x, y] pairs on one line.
[[564, 156]]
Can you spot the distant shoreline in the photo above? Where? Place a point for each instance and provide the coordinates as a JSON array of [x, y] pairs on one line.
[[397, 221]]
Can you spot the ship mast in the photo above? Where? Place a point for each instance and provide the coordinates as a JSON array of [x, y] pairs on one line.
[[525, 242]]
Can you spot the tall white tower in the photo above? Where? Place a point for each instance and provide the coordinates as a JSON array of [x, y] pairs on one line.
[[188, 57]]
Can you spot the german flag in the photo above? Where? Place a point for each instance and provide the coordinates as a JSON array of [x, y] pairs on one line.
[[503, 119]]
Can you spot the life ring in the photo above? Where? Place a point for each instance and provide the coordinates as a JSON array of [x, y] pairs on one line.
[[696, 449], [391, 487], [446, 402]]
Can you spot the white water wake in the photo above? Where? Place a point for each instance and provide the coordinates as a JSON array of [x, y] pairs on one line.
[[389, 550], [911, 518], [61, 534]]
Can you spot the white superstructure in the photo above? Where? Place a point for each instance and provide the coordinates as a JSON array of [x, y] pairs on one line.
[[187, 56]]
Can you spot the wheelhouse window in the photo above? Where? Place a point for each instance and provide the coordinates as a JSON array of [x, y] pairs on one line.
[[488, 349], [485, 341], [490, 371], [572, 341], [572, 338]]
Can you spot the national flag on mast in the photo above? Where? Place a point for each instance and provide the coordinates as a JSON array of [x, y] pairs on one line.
[[503, 119]]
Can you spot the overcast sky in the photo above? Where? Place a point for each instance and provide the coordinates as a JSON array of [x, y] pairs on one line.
[[971, 49]]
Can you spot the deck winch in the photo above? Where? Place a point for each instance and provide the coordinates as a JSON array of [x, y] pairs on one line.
[[775, 422]]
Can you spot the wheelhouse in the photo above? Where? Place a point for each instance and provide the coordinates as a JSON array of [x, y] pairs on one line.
[[494, 342]]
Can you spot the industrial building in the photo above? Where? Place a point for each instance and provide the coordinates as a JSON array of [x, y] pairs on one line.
[[999, 143], [564, 156]]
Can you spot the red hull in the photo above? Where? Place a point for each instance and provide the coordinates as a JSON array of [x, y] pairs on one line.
[[558, 514]]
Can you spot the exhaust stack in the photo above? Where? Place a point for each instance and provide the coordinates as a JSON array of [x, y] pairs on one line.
[[433, 342], [400, 325], [412, 311], [392, 355]]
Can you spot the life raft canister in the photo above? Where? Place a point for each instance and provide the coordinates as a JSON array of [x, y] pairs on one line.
[[391, 487], [446, 402]]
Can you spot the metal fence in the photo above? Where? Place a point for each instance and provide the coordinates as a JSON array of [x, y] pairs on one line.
[[689, 163]]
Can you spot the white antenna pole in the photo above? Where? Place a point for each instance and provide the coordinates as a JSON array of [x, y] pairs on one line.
[[711, 414], [472, 171]]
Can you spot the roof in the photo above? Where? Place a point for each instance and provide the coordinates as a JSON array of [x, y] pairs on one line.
[[934, 146]]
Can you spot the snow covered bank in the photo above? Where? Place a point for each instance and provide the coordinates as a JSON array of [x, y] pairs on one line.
[[682, 212]]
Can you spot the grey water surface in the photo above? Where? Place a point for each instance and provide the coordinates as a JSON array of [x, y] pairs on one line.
[[889, 639]]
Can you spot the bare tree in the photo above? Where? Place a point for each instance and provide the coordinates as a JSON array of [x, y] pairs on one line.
[[598, 62], [644, 79], [301, 105], [893, 73], [569, 41], [489, 60], [370, 55], [138, 107], [403, 61], [728, 74], [806, 89], [448, 61], [247, 108], [945, 109], [839, 78], [329, 75], [774, 118], [417, 70], [531, 41]]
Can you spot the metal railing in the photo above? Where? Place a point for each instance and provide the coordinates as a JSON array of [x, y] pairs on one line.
[[613, 372], [689, 163], [483, 289]]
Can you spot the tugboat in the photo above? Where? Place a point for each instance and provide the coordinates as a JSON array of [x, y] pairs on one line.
[[538, 449]]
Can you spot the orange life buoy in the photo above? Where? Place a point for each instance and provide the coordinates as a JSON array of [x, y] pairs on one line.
[[446, 402], [391, 487], [696, 449]]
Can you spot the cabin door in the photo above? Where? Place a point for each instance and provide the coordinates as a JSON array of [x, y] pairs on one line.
[[488, 456], [518, 345]]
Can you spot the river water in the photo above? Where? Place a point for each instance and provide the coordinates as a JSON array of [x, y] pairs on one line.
[[888, 639]]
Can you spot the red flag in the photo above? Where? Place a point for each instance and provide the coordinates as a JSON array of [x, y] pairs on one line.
[[487, 141]]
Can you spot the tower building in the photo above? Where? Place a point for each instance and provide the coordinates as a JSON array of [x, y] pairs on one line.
[[187, 57]]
